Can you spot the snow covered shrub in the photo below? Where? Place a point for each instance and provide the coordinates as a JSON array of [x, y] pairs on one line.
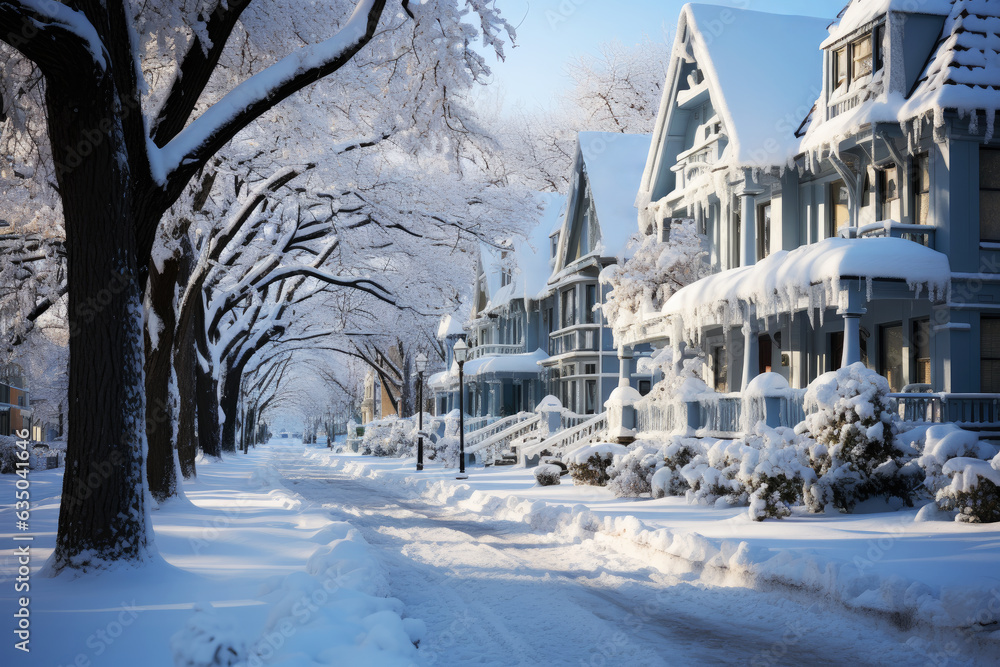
[[974, 491], [676, 456], [208, 640], [547, 474], [943, 442], [773, 471], [390, 437], [856, 456], [8, 454], [631, 475], [656, 270], [589, 464]]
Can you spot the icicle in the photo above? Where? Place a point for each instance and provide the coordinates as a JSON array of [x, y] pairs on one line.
[[868, 288], [990, 124]]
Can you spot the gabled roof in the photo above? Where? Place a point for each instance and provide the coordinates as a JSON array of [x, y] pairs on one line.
[[964, 72], [611, 164], [753, 106], [528, 258]]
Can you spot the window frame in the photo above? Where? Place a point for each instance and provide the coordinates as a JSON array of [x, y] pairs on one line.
[[883, 353], [994, 188], [763, 230], [833, 229], [983, 359], [916, 360]]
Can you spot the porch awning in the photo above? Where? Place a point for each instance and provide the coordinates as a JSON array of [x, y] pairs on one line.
[[809, 278], [507, 365]]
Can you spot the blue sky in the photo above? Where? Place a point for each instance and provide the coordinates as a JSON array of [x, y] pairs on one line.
[[553, 32]]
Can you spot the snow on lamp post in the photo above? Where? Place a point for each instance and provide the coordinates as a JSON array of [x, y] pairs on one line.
[[421, 364], [461, 354]]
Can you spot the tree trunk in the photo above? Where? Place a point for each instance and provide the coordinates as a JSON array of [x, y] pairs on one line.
[[184, 363], [206, 387], [229, 402], [161, 466], [102, 515]]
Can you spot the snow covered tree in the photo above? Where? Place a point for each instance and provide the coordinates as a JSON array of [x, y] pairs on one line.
[[644, 282], [121, 160]]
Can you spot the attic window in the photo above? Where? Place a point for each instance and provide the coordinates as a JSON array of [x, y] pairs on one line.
[[555, 246], [861, 52], [858, 59]]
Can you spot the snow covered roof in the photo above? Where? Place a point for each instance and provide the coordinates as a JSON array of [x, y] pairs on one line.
[[753, 106], [507, 364], [452, 324], [862, 12], [964, 72], [809, 277], [614, 163]]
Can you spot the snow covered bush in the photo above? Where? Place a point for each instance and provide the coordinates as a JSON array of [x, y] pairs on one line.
[[773, 471], [676, 455], [445, 449], [943, 442], [547, 474], [589, 464], [974, 491], [8, 454], [644, 282], [631, 475], [208, 640], [389, 437], [856, 455]]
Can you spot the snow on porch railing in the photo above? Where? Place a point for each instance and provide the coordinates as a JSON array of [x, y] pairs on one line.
[[571, 419], [475, 437], [656, 417], [721, 414], [966, 410], [489, 449], [563, 441], [476, 423]]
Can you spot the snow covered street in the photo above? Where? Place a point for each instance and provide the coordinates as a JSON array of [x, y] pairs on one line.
[[497, 592]]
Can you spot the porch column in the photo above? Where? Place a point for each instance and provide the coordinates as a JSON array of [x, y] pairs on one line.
[[748, 219], [852, 313], [751, 353], [625, 354]]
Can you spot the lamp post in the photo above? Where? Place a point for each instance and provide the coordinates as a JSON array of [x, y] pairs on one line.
[[421, 364], [461, 354]]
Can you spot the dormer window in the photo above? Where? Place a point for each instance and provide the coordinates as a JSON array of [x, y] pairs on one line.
[[555, 245], [857, 59]]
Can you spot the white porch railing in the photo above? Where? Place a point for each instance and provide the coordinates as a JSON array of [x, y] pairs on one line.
[[491, 429], [495, 350], [564, 440], [476, 423], [656, 417], [490, 448], [965, 410]]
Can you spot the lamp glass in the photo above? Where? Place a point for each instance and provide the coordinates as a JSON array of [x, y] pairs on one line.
[[461, 351], [421, 362]]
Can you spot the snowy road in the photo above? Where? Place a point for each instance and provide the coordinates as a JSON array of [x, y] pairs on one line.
[[497, 593]]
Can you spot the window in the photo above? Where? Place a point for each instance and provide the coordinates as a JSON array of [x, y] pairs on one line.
[[568, 308], [590, 315], [840, 68], [644, 386], [719, 367], [836, 351], [888, 193], [590, 369], [4, 393], [840, 215], [764, 231], [989, 194], [861, 56], [879, 47], [920, 350], [989, 347], [891, 354], [555, 245], [590, 406], [4, 421], [921, 188], [550, 320], [765, 350]]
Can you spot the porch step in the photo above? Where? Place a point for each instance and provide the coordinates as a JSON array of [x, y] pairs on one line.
[[506, 459]]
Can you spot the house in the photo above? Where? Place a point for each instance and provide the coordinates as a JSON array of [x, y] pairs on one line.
[[583, 367], [506, 335], [868, 229], [15, 406]]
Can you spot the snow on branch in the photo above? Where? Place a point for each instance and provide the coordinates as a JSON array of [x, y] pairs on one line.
[[173, 164], [22, 21]]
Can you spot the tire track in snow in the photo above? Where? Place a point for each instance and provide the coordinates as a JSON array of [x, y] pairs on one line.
[[495, 593]]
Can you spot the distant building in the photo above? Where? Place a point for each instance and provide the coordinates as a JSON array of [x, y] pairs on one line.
[[15, 406]]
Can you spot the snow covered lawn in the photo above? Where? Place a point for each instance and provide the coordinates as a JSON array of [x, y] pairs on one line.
[[247, 568], [919, 573]]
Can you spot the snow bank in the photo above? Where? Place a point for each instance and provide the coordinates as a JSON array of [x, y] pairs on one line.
[[939, 574]]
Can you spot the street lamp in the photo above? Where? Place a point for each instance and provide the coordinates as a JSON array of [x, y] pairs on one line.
[[421, 364], [461, 354]]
